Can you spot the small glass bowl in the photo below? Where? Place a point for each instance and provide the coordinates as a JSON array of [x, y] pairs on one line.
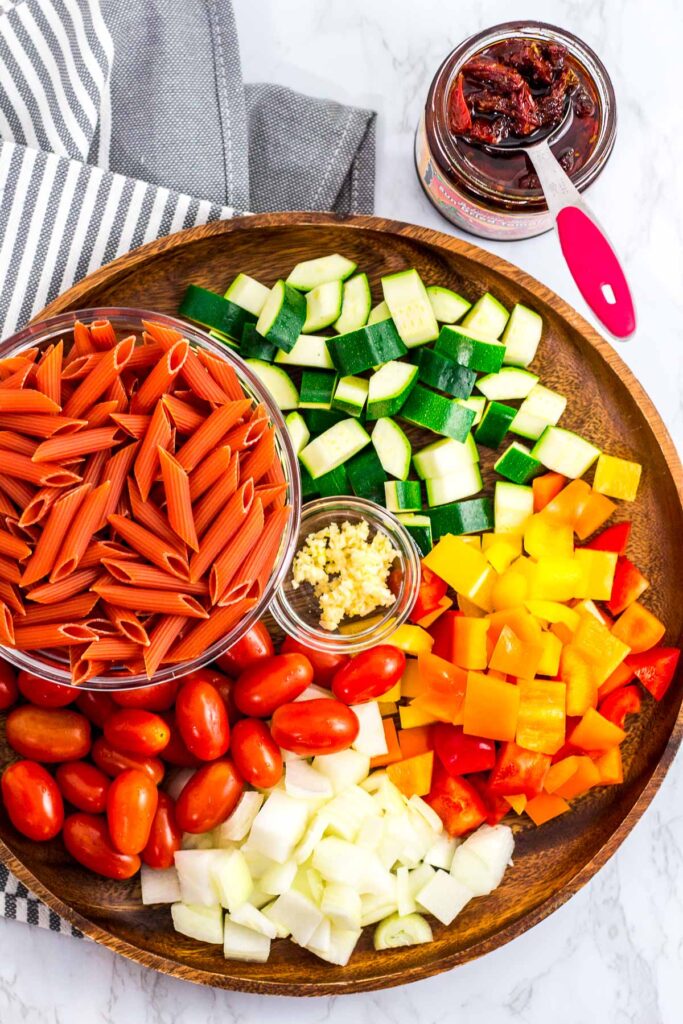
[[297, 611], [129, 321]]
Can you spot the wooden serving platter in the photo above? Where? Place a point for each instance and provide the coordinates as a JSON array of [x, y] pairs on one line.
[[606, 404]]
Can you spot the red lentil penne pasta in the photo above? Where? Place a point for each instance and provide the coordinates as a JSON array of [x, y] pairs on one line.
[[99, 550], [82, 340], [206, 510], [275, 477], [134, 424], [262, 557], [222, 530], [9, 570], [222, 373], [145, 356], [22, 468], [51, 593], [40, 425], [7, 634], [206, 633], [51, 634], [186, 418], [138, 574], [270, 494], [102, 334], [246, 435], [211, 469], [49, 543], [163, 601], [198, 379], [13, 442], [161, 638], [13, 546], [99, 379], [10, 595], [18, 378], [258, 461], [116, 472], [6, 506], [57, 449], [150, 546], [81, 366], [73, 609], [16, 490], [101, 626], [114, 648], [99, 415], [26, 401], [94, 467], [87, 521], [233, 555], [117, 393], [39, 505], [210, 434], [11, 363], [160, 380], [178, 501], [126, 622], [83, 669], [158, 435], [150, 516]]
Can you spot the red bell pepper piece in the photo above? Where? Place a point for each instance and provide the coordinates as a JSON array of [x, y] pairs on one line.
[[622, 702], [456, 801], [432, 590], [518, 771], [461, 754], [496, 806], [655, 668], [629, 583], [614, 538], [443, 632]]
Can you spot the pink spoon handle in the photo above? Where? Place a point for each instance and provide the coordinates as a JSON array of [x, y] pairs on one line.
[[596, 270]]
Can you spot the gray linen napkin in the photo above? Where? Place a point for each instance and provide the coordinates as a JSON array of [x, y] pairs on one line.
[[123, 122]]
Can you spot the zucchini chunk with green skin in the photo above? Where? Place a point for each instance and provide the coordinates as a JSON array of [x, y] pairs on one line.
[[319, 420], [369, 346], [333, 483], [248, 293], [392, 447], [308, 350], [366, 475], [410, 308], [212, 310], [356, 304], [378, 313], [517, 464], [565, 452], [316, 389], [476, 402], [403, 495], [540, 409], [309, 486], [488, 317], [513, 504], [461, 517], [298, 431], [350, 395], [253, 346], [444, 374], [470, 349], [465, 482], [312, 273], [223, 339], [521, 336], [277, 382], [495, 424], [447, 306], [323, 306], [389, 388], [510, 382], [338, 444], [395, 931], [441, 458], [420, 529], [282, 316], [437, 413]]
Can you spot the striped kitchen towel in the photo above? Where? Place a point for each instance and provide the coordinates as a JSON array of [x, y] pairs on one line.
[[123, 122]]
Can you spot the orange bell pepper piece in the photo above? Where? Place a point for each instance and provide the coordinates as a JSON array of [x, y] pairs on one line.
[[584, 778], [517, 803], [393, 749], [414, 741], [595, 732], [469, 642], [595, 512], [430, 618], [545, 488], [610, 767], [515, 657], [560, 772], [520, 621], [444, 688], [567, 506], [638, 628], [544, 807], [413, 777], [622, 675], [582, 689], [491, 708], [411, 680], [541, 717], [412, 717]]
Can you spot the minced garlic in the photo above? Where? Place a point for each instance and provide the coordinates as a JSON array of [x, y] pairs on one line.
[[348, 572]]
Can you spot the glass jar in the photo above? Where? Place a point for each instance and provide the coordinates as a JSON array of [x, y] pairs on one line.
[[297, 610], [456, 179]]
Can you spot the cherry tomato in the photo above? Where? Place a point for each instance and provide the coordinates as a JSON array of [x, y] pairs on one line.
[[254, 645], [202, 720], [83, 785], [87, 839], [209, 797], [272, 682], [370, 674], [223, 684], [112, 762], [324, 665], [131, 806], [97, 707], [48, 734], [311, 727], [32, 800], [159, 697], [135, 731], [175, 752], [9, 691], [256, 754], [164, 837], [44, 693]]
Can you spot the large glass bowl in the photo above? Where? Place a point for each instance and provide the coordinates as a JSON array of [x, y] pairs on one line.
[[129, 321]]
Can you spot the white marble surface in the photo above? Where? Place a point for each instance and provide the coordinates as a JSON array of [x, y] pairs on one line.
[[614, 954]]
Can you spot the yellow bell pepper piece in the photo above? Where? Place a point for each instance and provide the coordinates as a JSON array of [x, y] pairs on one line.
[[577, 673], [473, 540], [617, 478], [602, 650], [411, 684], [549, 664], [541, 718], [544, 537], [513, 656], [555, 579], [596, 573], [411, 639], [510, 589], [501, 549], [553, 611], [428, 620], [411, 717], [387, 708], [482, 594], [413, 777], [351, 628], [588, 607], [491, 707], [461, 565], [393, 694], [469, 608], [469, 642]]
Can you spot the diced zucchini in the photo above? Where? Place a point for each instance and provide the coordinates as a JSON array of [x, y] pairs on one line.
[[521, 336], [564, 452], [402, 495], [311, 273], [509, 382], [379, 312], [392, 447], [437, 413], [540, 409], [366, 475], [512, 506], [470, 349], [367, 347], [277, 382], [410, 308], [308, 350], [212, 310], [309, 486], [298, 431], [336, 445], [316, 389], [323, 306], [495, 424], [356, 303], [517, 464], [333, 483], [462, 517], [409, 930], [389, 388], [282, 316], [487, 317], [223, 338], [444, 374], [441, 458], [420, 529], [447, 306], [253, 346], [350, 395], [476, 403], [319, 420], [248, 293], [465, 482]]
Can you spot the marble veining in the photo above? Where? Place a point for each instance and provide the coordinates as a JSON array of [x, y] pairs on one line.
[[614, 953]]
